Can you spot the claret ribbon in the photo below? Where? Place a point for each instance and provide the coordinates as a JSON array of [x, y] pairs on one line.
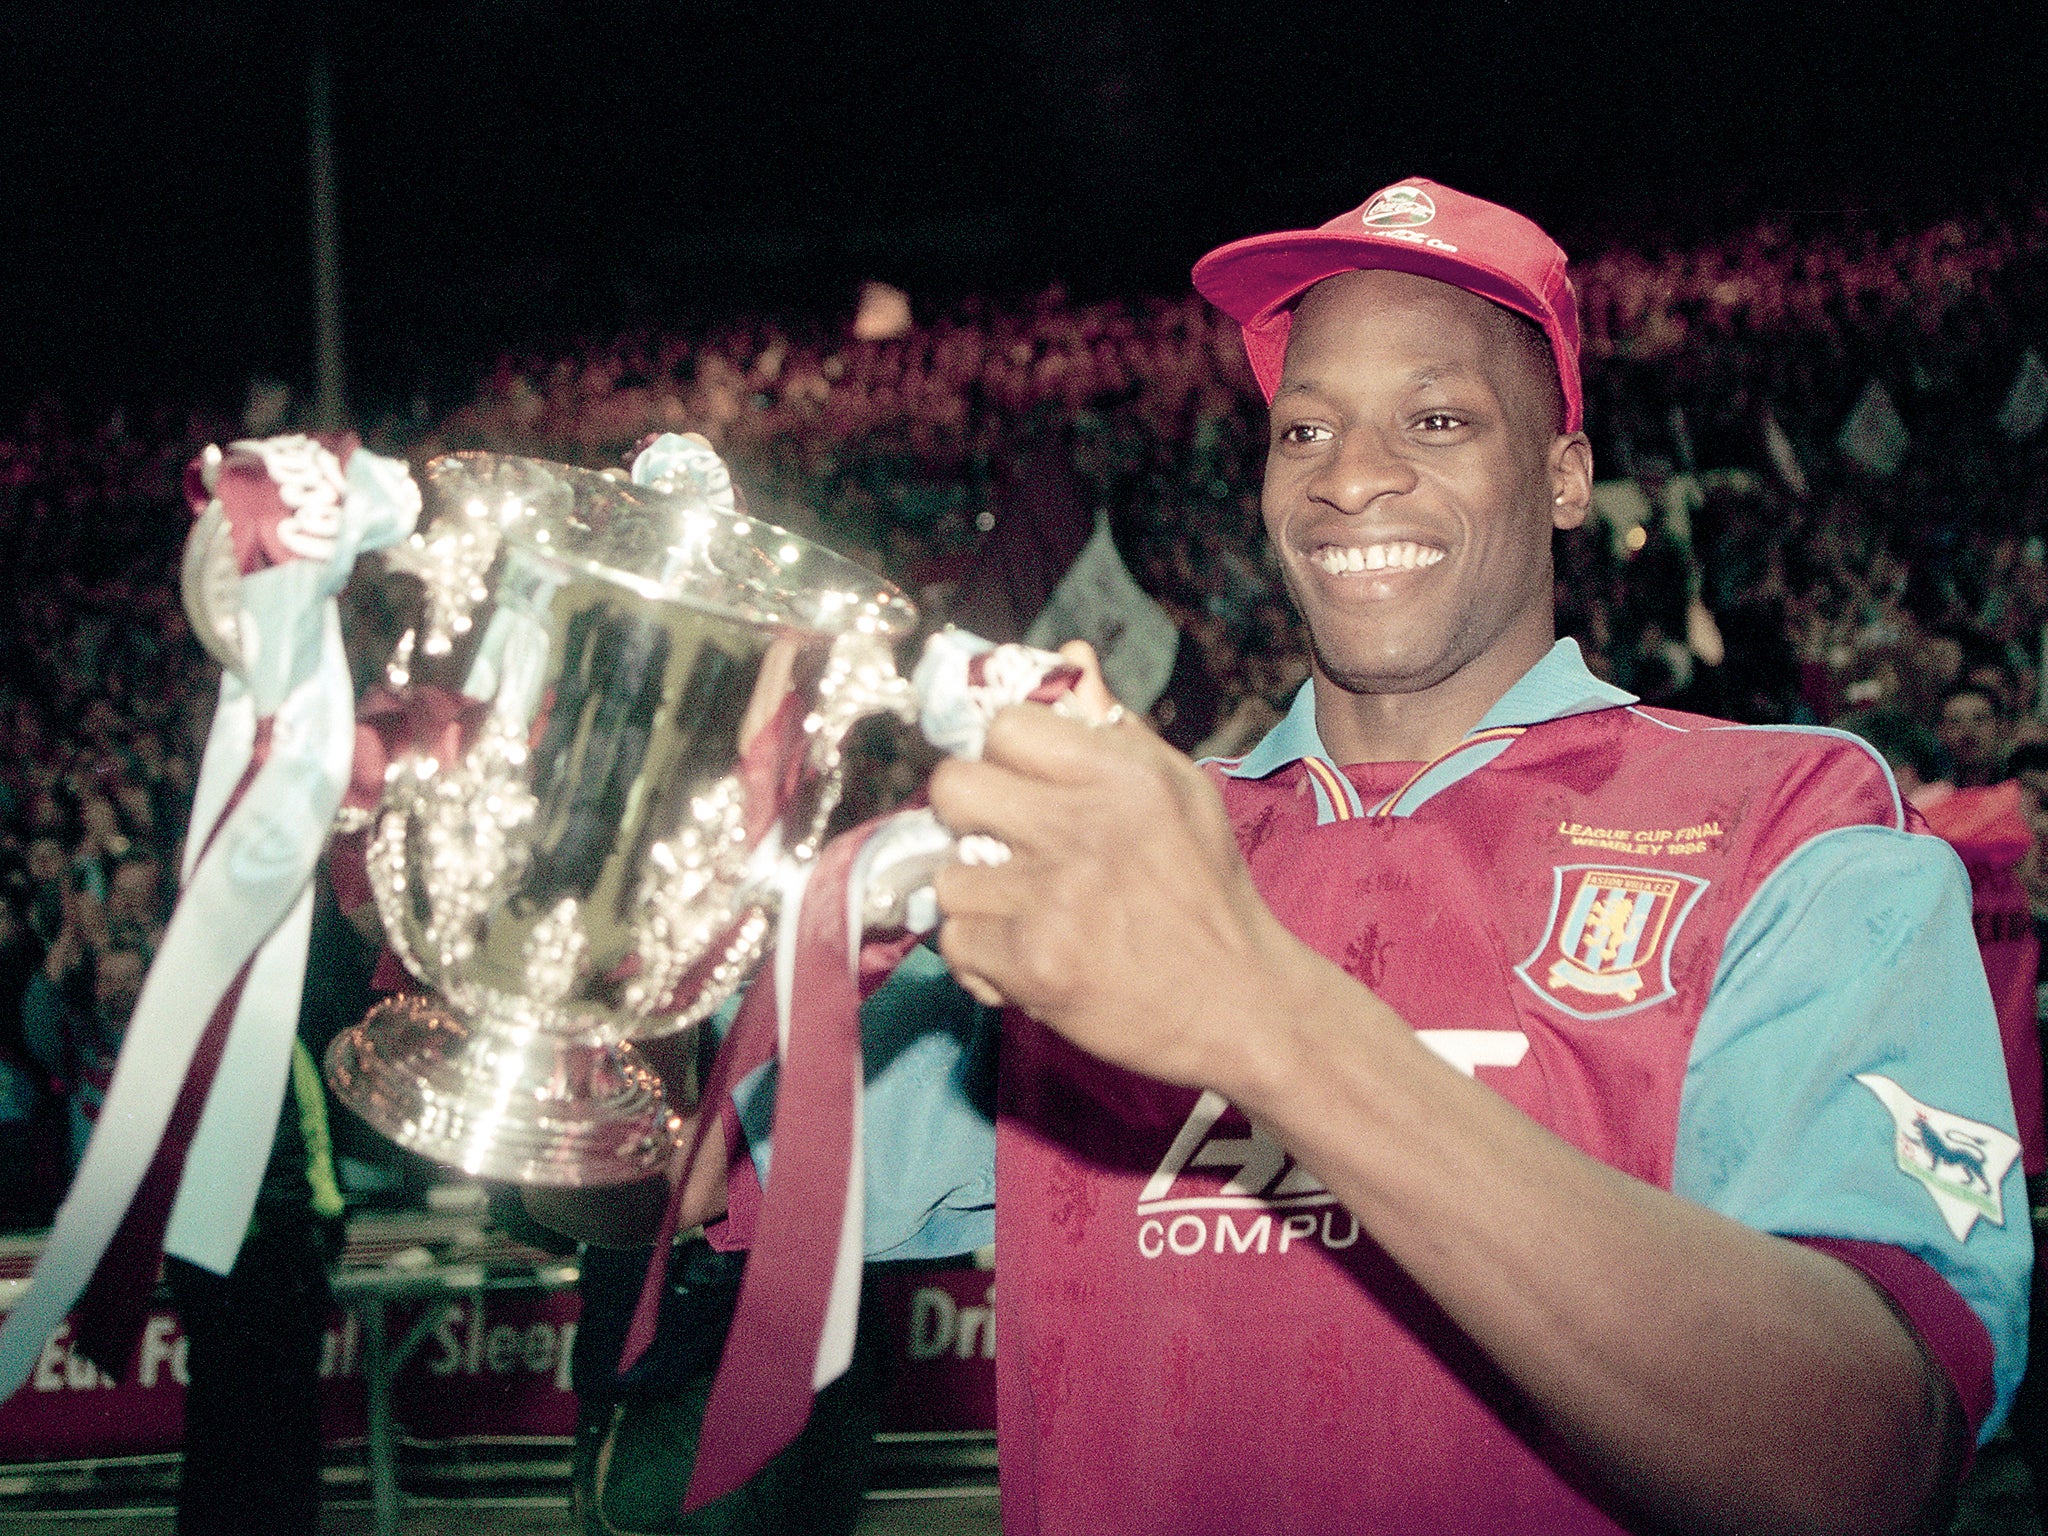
[[793, 1327]]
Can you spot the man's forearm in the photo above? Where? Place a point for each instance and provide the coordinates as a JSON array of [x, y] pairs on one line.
[[1713, 1376]]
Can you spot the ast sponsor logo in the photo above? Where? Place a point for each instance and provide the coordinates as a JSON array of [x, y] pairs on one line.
[[1227, 1187]]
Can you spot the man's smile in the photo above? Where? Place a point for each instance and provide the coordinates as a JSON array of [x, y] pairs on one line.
[[1396, 555]]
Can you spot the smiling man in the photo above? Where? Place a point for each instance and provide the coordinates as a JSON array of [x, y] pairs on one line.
[[1413, 432], [1489, 1105]]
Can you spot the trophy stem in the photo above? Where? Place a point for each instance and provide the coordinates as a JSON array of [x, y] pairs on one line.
[[500, 1096]]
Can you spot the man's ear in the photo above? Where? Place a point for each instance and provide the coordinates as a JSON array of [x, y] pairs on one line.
[[1571, 479]]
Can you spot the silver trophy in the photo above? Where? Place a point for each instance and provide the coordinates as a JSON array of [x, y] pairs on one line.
[[644, 693]]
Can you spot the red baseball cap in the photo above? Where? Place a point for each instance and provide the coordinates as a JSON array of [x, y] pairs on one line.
[[1415, 226]]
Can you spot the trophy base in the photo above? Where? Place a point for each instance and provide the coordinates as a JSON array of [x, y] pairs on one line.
[[502, 1101]]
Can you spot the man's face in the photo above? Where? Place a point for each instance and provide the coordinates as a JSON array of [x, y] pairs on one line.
[[1969, 730], [1410, 478]]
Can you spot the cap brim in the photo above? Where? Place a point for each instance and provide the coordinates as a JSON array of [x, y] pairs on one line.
[[1255, 281], [1251, 280]]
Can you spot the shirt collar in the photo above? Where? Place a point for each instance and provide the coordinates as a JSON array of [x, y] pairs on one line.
[[1557, 686]]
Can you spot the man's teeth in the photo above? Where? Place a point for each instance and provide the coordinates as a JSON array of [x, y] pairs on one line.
[[1376, 557]]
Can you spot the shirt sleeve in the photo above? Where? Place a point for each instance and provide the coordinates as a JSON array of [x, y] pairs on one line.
[[1846, 1086], [927, 1117]]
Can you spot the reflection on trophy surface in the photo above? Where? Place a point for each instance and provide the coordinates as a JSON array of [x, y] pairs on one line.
[[635, 698]]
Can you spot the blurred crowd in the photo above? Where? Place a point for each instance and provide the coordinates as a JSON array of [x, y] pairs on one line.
[[103, 705], [1825, 498]]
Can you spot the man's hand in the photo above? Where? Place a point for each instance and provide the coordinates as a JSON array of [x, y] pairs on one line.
[[1125, 917]]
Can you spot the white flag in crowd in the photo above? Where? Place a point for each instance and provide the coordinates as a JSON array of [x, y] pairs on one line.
[[1099, 601], [1874, 436], [884, 313], [1784, 457], [2026, 403]]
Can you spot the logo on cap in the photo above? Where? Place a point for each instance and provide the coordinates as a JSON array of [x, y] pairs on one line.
[[1399, 208]]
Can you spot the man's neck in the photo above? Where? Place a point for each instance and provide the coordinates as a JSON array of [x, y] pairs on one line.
[[1389, 727], [1418, 726]]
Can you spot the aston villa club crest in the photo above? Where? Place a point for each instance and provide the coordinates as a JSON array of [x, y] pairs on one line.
[[1607, 948], [1400, 208]]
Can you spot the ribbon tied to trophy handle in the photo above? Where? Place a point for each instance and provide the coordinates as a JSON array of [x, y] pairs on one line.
[[793, 1329], [961, 684], [177, 1154]]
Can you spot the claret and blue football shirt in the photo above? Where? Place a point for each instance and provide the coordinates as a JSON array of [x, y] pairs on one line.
[[1711, 956]]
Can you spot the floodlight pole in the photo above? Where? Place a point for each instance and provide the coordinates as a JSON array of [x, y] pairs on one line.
[[330, 395]]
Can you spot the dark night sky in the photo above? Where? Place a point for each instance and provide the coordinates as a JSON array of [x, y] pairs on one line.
[[515, 167]]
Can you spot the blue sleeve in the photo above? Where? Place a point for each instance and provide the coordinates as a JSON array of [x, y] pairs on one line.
[[928, 1114], [1846, 1080]]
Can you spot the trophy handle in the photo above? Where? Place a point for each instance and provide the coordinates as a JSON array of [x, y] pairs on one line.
[[384, 863], [959, 686], [860, 680], [893, 879]]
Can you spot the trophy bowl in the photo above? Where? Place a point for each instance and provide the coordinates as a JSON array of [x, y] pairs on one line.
[[637, 697]]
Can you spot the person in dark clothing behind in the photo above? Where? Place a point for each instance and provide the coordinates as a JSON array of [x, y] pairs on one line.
[[27, 1187], [1974, 731], [252, 1408], [636, 1434]]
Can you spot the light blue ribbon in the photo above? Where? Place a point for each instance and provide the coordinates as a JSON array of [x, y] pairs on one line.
[[247, 899]]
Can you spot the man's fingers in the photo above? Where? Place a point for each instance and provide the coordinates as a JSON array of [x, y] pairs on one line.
[[1091, 693], [978, 889], [1062, 748], [1038, 740], [965, 940], [999, 801]]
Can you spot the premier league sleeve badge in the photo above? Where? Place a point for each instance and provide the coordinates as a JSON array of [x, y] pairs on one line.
[[1962, 1162]]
